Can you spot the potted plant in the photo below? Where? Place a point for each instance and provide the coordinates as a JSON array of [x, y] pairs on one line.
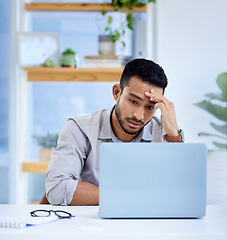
[[108, 34], [217, 159], [107, 44], [117, 34], [68, 58], [48, 63], [46, 144], [218, 111]]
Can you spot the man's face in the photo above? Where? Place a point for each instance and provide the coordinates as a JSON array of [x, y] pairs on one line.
[[133, 108]]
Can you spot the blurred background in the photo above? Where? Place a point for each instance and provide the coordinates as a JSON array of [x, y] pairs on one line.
[[188, 40]]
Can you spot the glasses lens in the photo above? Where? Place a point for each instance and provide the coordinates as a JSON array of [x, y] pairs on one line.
[[41, 213], [63, 214]]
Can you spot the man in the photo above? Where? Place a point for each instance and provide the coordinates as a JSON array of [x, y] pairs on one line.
[[73, 174]]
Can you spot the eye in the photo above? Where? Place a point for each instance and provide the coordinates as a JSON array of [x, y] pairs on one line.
[[150, 107], [133, 101]]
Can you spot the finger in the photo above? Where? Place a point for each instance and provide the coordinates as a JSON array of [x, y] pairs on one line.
[[165, 111], [156, 97], [164, 108], [161, 106], [161, 98]]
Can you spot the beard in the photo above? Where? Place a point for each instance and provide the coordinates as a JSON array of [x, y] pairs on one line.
[[121, 122]]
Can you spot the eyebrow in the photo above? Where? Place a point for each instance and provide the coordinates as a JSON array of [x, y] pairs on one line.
[[135, 96]]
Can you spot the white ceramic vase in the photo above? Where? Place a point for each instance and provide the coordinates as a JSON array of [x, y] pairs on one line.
[[106, 45]]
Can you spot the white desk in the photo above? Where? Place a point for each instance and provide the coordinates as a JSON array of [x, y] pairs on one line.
[[88, 225]]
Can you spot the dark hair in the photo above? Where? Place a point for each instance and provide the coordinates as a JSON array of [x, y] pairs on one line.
[[146, 70]]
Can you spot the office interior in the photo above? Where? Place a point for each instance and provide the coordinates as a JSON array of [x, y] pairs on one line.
[[187, 38]]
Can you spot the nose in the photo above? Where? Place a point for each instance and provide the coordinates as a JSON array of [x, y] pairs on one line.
[[139, 114]]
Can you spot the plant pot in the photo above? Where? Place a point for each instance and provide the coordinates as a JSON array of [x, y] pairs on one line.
[[44, 155], [68, 60], [217, 177], [106, 45]]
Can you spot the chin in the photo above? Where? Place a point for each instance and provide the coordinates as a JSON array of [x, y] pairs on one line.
[[131, 132]]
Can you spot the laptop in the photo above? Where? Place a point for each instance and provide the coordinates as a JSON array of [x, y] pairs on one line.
[[152, 180]]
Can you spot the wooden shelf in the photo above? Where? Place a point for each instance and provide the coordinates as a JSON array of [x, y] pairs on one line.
[[35, 167], [46, 74], [86, 7]]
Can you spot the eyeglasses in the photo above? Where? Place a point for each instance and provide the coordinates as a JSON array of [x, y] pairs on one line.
[[46, 213]]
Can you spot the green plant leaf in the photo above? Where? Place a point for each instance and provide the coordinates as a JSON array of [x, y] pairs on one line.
[[220, 128], [216, 110], [48, 63], [220, 145], [107, 29], [68, 51], [222, 83], [48, 141], [109, 20], [115, 2], [209, 135], [217, 96], [118, 4], [124, 3], [117, 36], [130, 19], [103, 12]]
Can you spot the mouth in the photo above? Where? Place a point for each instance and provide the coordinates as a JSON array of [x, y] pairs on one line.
[[134, 124]]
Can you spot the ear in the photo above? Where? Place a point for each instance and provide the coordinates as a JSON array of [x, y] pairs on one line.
[[116, 91]]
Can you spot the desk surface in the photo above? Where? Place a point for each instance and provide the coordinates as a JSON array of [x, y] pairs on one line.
[[88, 225]]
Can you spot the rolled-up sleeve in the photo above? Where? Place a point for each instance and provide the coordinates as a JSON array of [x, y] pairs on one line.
[[67, 162]]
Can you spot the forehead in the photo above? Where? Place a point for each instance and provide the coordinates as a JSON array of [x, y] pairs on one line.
[[136, 85]]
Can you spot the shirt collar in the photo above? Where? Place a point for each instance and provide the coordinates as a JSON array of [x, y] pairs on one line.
[[106, 132], [146, 133]]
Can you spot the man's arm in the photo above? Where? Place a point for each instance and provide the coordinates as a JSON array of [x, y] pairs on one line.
[[67, 162], [86, 194]]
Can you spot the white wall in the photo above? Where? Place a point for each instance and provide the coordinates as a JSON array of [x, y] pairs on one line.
[[192, 49]]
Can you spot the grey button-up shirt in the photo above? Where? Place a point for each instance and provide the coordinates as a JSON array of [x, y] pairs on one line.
[[77, 153]]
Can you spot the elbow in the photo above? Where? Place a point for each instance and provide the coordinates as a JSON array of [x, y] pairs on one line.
[[61, 193], [55, 192], [54, 198]]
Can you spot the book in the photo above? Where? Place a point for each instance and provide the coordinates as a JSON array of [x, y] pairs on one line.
[[22, 222], [105, 61]]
